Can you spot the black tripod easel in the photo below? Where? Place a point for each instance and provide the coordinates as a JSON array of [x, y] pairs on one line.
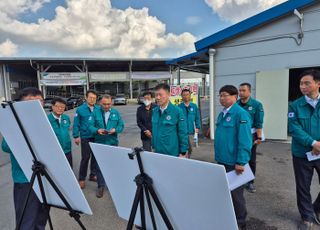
[[145, 187], [39, 170]]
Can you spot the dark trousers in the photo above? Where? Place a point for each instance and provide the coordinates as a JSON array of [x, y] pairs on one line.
[[253, 160], [69, 158], [86, 153], [36, 215], [303, 171], [239, 203], [146, 145]]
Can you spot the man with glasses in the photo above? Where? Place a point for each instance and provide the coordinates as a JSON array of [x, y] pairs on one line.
[[192, 114], [232, 144], [61, 126], [82, 134]]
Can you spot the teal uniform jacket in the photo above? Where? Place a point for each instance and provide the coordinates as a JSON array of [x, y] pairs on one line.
[[17, 173], [255, 109], [62, 131], [192, 115], [233, 139], [98, 122], [169, 131], [82, 117], [304, 126]]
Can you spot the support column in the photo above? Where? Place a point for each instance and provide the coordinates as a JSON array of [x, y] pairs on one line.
[[212, 85], [178, 76], [203, 85], [6, 81], [130, 79], [38, 76], [86, 87]]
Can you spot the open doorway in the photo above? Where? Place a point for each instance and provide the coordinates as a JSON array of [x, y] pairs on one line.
[[294, 82]]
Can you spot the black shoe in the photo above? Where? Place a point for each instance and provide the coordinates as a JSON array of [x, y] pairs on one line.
[[100, 192], [305, 225], [93, 178], [251, 188], [317, 216], [242, 226]]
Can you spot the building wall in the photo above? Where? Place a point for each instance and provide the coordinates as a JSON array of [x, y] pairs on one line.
[[237, 62]]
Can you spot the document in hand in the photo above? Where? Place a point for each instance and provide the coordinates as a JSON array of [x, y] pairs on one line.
[[236, 180], [312, 157]]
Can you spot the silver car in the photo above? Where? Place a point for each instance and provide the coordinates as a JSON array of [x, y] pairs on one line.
[[120, 99]]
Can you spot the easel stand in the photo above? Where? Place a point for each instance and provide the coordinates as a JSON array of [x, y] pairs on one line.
[[39, 170], [145, 187]]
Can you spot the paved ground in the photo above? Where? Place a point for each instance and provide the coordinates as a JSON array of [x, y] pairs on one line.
[[272, 207]]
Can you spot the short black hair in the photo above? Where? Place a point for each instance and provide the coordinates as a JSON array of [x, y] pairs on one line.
[[59, 100], [246, 84], [164, 86], [29, 91], [312, 72], [230, 89], [147, 93], [186, 90], [91, 91]]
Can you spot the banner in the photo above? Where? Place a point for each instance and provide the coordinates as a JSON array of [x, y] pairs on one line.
[[58, 79], [175, 92]]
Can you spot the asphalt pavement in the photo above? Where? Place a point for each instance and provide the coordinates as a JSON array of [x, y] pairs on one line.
[[272, 207]]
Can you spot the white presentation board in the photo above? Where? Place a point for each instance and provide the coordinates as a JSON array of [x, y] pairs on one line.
[[194, 194], [46, 148]]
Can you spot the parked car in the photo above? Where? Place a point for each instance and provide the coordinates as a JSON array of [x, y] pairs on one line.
[[140, 99], [120, 99], [73, 102], [48, 103]]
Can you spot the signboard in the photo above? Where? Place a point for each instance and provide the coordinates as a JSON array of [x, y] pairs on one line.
[[109, 77], [58, 79], [149, 76], [175, 92]]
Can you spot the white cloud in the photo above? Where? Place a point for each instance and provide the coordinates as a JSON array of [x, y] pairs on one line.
[[237, 10], [93, 27], [193, 20], [8, 48], [14, 7]]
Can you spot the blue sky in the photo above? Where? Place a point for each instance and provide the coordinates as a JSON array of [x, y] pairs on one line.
[[115, 28]]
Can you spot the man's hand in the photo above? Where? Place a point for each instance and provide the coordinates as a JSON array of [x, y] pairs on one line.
[[257, 142], [183, 155], [316, 147], [148, 134], [112, 131], [196, 130], [102, 131], [77, 140], [239, 169]]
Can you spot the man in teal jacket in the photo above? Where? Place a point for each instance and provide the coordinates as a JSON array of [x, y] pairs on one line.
[[192, 114], [61, 126], [82, 134], [304, 127], [232, 144], [169, 126], [36, 215], [255, 109], [105, 126]]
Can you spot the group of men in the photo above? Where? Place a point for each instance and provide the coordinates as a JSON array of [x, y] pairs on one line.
[[167, 129]]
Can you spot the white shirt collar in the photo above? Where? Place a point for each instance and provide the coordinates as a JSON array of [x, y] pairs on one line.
[[226, 110], [312, 102], [163, 109], [58, 118]]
